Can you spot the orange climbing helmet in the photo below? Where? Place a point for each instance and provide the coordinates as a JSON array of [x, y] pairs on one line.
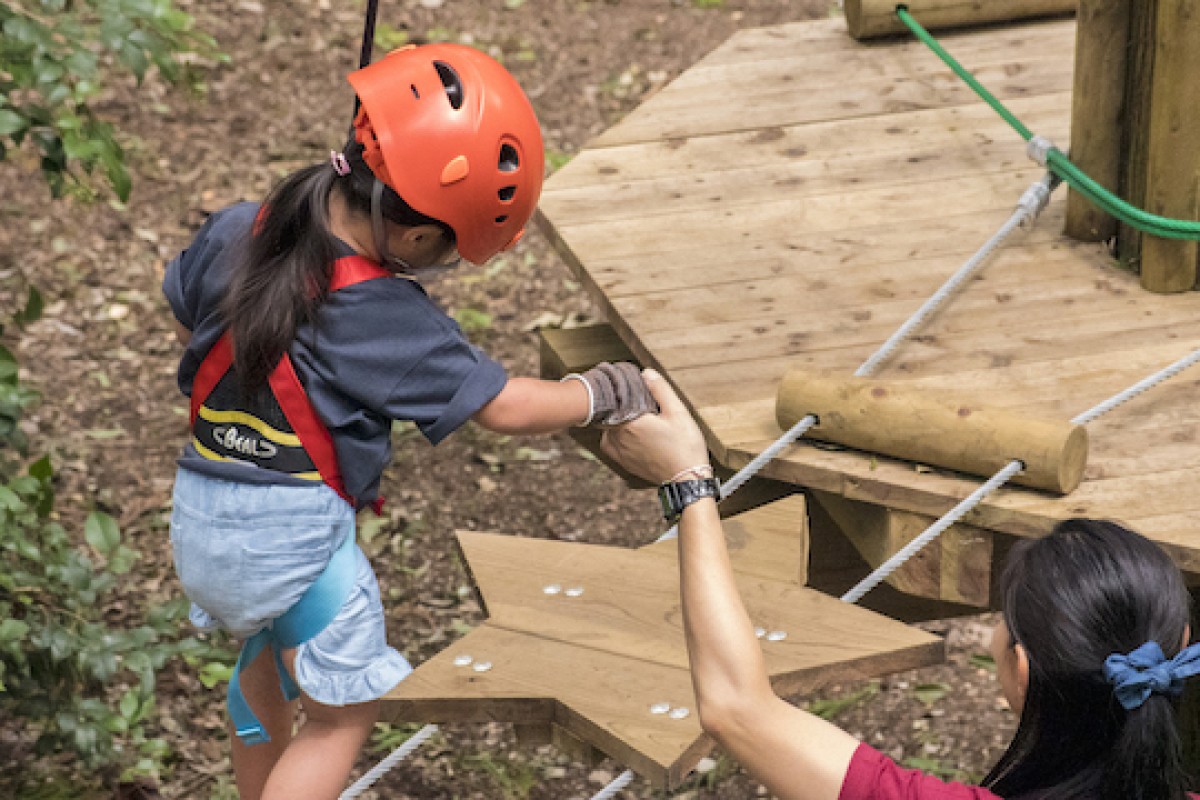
[[450, 130]]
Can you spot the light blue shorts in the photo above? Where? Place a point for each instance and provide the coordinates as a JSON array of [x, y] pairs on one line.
[[245, 553]]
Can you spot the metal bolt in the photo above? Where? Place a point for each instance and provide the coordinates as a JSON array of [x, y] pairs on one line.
[[462, 661], [776, 636], [553, 588], [482, 666], [679, 713], [660, 708], [574, 591], [760, 632]]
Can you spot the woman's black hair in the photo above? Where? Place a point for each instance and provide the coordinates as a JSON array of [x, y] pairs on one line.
[[282, 274], [1088, 590]]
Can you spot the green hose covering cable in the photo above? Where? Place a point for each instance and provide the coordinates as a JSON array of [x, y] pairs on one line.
[[1056, 160]]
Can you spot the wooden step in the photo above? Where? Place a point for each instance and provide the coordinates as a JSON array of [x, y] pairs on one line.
[[593, 665]]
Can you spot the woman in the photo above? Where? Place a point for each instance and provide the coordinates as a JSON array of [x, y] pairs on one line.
[[1093, 614]]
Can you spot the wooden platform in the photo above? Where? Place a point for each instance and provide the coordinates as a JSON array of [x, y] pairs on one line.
[[595, 656], [795, 195]]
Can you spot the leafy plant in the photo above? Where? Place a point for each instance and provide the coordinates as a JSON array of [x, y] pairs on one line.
[[54, 58], [835, 706], [78, 680]]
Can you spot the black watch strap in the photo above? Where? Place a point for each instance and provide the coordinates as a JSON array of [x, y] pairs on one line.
[[677, 496]]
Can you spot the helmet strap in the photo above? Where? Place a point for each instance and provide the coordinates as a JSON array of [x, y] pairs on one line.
[[379, 233]]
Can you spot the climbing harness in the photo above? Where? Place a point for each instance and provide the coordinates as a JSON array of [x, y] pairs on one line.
[[298, 436], [311, 614]]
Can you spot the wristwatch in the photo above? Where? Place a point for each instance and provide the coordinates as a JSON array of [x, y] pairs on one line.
[[677, 496]]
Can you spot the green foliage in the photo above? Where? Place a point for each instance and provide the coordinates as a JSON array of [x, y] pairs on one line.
[[835, 706], [54, 58], [513, 779], [79, 680], [473, 321]]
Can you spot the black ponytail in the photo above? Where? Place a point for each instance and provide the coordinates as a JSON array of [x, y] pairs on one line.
[[283, 273], [1071, 599]]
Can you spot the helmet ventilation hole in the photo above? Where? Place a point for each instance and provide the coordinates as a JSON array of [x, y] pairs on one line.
[[450, 80], [416, 94], [506, 194], [509, 161], [503, 218]]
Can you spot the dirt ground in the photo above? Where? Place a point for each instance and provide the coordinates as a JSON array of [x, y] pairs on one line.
[[104, 355]]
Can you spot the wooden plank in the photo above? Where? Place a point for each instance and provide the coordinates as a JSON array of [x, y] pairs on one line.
[[852, 64], [1097, 110], [887, 294], [735, 184], [737, 226], [1021, 329], [915, 137], [683, 115], [669, 264]]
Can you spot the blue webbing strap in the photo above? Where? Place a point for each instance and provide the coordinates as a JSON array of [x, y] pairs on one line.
[[315, 609]]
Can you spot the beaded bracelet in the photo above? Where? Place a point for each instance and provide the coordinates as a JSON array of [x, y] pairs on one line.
[[699, 472]]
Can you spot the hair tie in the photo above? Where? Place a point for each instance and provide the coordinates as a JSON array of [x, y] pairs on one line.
[[1147, 671], [340, 165]]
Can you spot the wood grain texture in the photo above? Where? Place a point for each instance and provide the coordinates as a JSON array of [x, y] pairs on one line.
[[594, 664]]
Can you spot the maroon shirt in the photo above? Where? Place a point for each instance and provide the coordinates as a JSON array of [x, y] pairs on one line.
[[874, 776]]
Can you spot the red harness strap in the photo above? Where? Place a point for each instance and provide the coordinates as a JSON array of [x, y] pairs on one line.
[[285, 384]]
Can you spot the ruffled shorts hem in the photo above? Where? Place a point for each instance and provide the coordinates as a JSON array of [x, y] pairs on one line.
[[344, 688]]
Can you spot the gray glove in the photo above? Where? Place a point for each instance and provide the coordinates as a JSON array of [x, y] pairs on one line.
[[618, 393]]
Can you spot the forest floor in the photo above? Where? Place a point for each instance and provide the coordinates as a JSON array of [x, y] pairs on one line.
[[104, 356]]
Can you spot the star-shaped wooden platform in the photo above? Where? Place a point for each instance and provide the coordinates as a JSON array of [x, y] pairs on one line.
[[590, 639]]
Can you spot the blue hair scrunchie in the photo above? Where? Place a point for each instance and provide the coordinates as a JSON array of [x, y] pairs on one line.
[[1147, 671]]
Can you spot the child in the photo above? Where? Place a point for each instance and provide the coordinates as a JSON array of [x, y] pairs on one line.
[[1090, 653], [306, 335]]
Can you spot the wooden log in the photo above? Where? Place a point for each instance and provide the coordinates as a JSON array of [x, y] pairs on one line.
[[1097, 110], [1173, 171], [870, 18], [902, 421]]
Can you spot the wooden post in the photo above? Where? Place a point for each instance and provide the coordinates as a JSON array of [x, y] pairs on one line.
[[957, 568], [1097, 108], [870, 18], [1173, 171], [1136, 67]]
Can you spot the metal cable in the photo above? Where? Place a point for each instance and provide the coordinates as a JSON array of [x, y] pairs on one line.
[[382, 768], [619, 783]]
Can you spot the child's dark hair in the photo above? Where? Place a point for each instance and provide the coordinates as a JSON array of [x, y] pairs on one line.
[[282, 274], [1088, 590]]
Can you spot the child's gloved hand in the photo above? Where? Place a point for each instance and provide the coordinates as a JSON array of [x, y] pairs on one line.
[[618, 393]]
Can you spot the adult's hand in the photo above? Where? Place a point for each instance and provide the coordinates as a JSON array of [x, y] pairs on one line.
[[658, 446]]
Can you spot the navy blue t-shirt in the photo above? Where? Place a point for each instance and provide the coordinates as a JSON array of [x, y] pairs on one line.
[[379, 351]]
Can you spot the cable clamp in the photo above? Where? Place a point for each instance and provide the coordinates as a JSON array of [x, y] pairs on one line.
[[1035, 199], [1038, 149]]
